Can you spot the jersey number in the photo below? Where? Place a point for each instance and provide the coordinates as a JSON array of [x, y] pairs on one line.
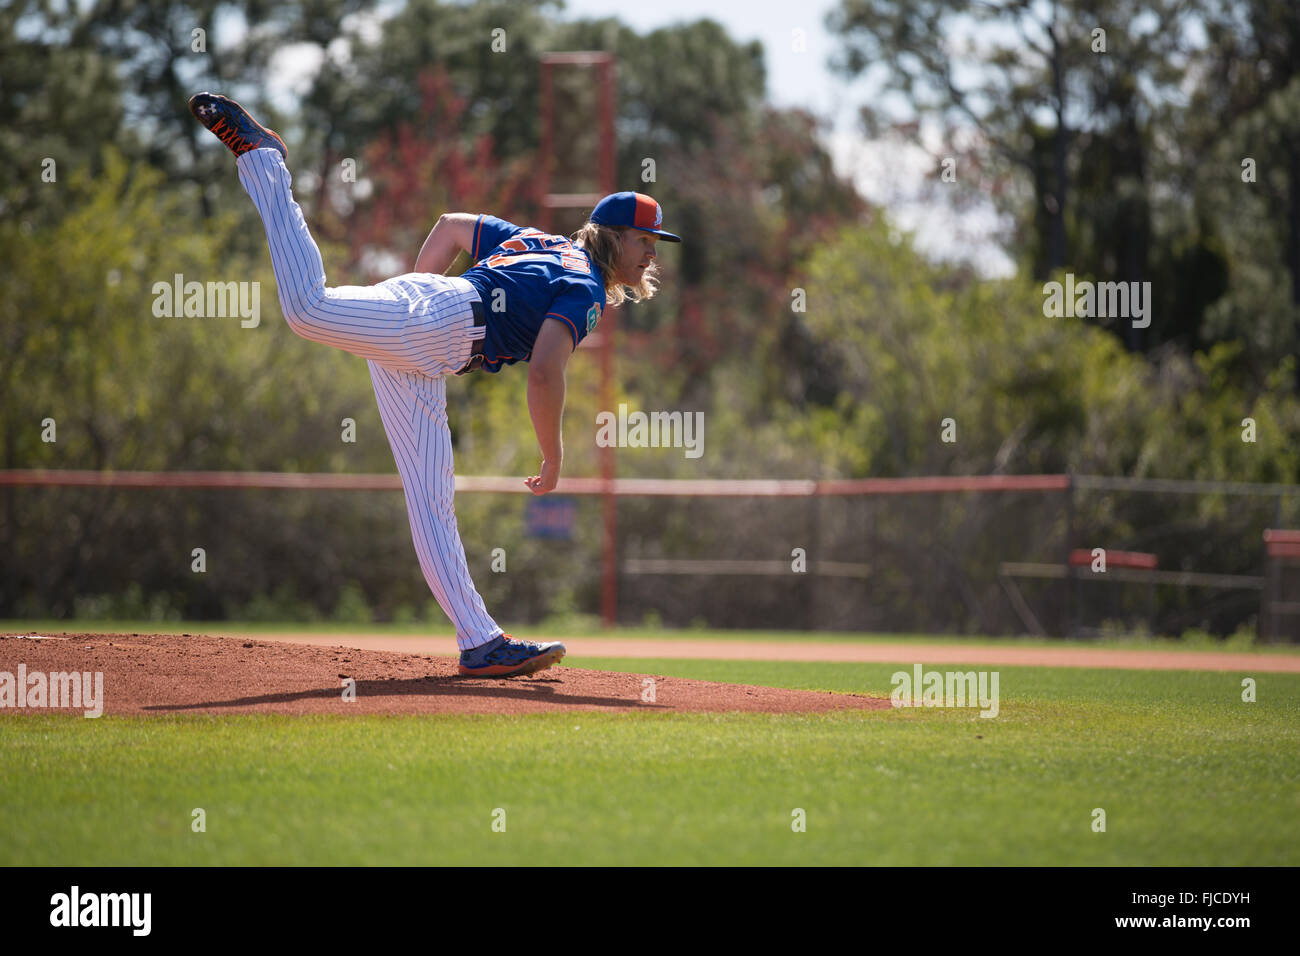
[[570, 258]]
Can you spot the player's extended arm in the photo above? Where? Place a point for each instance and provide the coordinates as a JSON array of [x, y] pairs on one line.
[[452, 232], [551, 353]]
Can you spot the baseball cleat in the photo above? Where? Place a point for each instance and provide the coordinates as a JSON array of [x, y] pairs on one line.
[[506, 657], [233, 125]]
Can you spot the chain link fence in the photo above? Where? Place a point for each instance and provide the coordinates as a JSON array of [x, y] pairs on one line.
[[1045, 555]]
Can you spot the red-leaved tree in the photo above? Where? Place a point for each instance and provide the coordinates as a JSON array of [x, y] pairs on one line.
[[423, 167]]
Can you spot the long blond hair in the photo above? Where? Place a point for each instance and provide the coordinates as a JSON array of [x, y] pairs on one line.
[[604, 243]]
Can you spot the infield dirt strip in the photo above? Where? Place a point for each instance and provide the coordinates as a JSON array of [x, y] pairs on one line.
[[889, 653], [162, 674]]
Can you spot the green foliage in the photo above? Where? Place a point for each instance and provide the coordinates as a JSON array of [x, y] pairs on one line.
[[352, 606], [279, 604], [1260, 310], [913, 344], [1125, 163], [129, 605]]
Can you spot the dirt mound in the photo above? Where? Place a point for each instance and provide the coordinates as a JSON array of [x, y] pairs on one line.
[[196, 674]]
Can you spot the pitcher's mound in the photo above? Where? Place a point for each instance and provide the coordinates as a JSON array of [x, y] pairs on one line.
[[195, 674]]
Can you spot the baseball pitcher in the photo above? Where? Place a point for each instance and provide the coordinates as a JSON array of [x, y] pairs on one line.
[[530, 297]]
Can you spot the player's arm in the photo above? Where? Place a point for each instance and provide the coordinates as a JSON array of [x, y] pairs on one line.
[[551, 353], [452, 232]]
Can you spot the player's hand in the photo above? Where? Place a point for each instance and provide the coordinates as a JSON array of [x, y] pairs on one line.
[[546, 481]]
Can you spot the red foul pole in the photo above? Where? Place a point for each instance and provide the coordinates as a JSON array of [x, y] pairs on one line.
[[604, 66]]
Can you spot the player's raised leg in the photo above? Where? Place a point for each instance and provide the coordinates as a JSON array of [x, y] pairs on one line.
[[366, 321], [375, 322]]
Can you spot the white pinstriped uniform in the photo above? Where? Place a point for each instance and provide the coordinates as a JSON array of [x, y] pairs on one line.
[[413, 330]]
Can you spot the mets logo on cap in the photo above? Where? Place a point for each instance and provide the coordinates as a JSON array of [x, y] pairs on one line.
[[634, 210]]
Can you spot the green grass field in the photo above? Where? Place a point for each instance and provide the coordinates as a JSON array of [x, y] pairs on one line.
[[1186, 772]]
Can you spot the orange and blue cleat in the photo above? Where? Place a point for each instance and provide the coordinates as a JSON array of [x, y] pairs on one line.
[[233, 125]]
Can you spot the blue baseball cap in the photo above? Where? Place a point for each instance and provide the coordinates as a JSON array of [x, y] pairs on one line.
[[634, 210]]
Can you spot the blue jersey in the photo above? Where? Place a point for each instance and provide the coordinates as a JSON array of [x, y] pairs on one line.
[[524, 277]]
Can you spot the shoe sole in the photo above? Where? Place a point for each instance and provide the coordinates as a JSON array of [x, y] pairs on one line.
[[538, 663], [269, 132]]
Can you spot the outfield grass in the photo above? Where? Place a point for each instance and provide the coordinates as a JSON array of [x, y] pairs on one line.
[[1187, 773]]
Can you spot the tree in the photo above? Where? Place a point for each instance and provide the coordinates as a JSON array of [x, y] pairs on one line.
[[411, 173], [58, 104], [1063, 93], [1243, 114]]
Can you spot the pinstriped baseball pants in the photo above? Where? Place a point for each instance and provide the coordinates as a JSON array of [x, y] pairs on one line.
[[412, 330]]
